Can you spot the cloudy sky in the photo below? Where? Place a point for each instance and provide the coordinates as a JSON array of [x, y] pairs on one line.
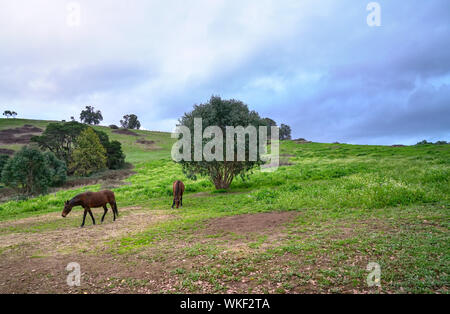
[[313, 64]]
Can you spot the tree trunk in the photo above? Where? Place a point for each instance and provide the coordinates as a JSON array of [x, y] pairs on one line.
[[219, 183]]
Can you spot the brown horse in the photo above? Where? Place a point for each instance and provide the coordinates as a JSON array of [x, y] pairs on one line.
[[90, 200], [178, 190]]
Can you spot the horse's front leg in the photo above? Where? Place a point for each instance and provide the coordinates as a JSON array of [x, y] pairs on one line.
[[84, 217], [92, 216]]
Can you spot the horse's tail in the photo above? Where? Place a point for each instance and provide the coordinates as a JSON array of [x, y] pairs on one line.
[[112, 201], [115, 208]]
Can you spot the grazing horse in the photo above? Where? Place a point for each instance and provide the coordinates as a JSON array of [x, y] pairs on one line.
[[178, 190], [90, 200]]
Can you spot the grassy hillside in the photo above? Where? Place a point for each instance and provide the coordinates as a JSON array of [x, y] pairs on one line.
[[134, 152], [350, 205]]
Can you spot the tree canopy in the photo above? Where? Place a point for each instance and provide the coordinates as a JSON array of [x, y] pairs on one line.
[[9, 113], [221, 113], [285, 132], [90, 116], [89, 154], [31, 171], [130, 121], [59, 138]]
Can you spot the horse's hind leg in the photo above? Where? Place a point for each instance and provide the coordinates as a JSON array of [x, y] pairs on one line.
[[114, 210], [106, 210], [84, 217], [92, 216]]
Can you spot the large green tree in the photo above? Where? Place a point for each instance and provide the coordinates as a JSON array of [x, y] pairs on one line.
[[222, 113], [90, 116], [31, 171], [89, 154], [59, 138]]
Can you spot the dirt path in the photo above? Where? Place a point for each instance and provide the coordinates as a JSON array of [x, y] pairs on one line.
[[63, 240]]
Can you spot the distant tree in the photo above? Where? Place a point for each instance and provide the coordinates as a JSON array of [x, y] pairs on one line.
[[59, 138], [130, 121], [425, 142], [7, 113], [31, 172], [89, 154], [90, 116], [285, 132], [72, 118], [13, 114], [113, 126], [221, 113], [270, 123]]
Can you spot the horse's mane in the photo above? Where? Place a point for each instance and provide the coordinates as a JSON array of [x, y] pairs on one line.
[[75, 200]]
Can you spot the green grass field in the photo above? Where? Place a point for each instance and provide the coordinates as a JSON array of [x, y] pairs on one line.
[[350, 205]]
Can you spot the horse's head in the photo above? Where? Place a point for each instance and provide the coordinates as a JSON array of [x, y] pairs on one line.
[[67, 209], [177, 201]]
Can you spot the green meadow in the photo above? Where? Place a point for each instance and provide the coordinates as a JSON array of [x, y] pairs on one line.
[[351, 205]]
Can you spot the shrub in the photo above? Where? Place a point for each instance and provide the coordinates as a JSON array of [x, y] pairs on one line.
[[31, 172], [58, 169], [113, 126], [89, 155], [115, 156]]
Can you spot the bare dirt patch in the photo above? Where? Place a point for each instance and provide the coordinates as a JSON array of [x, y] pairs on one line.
[[99, 274], [90, 237], [36, 262], [125, 132], [148, 144], [145, 142], [21, 135], [301, 141], [249, 222]]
